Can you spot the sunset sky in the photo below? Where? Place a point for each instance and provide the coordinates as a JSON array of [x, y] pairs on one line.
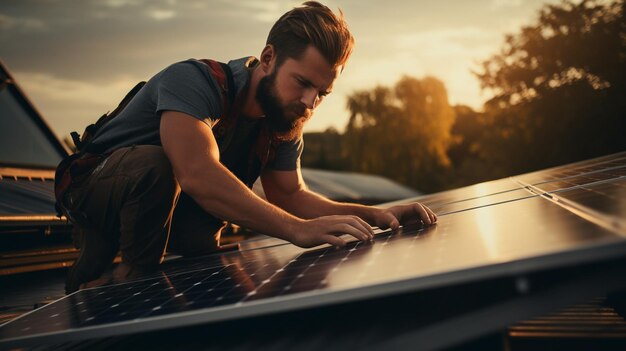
[[77, 59]]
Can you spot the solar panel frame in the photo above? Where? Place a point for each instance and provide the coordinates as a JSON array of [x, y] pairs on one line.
[[314, 298], [491, 198]]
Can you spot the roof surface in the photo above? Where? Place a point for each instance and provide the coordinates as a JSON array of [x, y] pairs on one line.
[[502, 251]]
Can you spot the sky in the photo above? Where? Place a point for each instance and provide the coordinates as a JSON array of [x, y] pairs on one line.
[[77, 59]]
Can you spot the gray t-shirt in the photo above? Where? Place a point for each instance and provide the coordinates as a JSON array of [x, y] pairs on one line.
[[188, 87]]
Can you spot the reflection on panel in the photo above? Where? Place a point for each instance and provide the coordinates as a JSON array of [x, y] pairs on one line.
[[605, 197], [595, 186], [485, 231], [489, 200], [468, 241], [603, 168], [467, 193]]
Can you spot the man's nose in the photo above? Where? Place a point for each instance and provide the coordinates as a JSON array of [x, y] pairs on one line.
[[310, 98]]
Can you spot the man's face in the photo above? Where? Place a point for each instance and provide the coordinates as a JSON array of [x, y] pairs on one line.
[[290, 93]]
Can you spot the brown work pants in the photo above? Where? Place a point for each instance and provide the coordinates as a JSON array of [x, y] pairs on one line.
[[133, 203]]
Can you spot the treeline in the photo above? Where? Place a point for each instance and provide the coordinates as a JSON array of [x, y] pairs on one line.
[[559, 96]]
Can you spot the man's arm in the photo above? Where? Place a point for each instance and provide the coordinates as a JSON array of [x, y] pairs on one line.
[[193, 152], [287, 190]]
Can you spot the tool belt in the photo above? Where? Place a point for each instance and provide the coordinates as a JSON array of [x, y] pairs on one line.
[[72, 171]]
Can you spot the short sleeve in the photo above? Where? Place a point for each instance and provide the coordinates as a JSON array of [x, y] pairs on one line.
[[188, 87], [287, 157]]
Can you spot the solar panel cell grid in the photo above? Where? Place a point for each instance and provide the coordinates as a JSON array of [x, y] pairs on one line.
[[487, 200], [484, 231], [606, 197], [469, 192], [20, 197]]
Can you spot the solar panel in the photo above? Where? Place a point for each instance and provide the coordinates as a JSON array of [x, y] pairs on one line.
[[481, 201], [607, 197], [485, 231], [26, 196], [580, 173], [469, 192]]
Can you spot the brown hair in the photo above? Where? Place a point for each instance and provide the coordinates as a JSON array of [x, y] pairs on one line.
[[312, 24]]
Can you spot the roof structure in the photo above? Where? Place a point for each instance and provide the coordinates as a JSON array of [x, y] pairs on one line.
[[29, 153], [32, 237], [502, 251]]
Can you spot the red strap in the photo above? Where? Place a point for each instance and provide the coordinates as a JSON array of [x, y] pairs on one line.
[[264, 147], [227, 121]]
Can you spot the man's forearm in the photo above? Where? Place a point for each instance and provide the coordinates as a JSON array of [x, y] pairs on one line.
[[307, 204], [194, 154], [225, 197]]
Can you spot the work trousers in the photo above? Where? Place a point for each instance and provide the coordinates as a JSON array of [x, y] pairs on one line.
[[133, 203]]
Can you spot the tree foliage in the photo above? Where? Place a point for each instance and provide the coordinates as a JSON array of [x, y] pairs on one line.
[[324, 150], [559, 96], [401, 132], [558, 88]]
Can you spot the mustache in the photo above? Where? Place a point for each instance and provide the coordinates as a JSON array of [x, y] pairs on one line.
[[301, 111]]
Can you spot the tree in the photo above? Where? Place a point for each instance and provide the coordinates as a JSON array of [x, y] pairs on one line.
[[323, 150], [558, 88], [466, 153], [402, 132]]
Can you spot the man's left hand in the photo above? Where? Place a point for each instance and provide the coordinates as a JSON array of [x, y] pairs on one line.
[[404, 214]]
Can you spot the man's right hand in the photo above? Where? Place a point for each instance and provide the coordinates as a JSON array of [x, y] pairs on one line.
[[191, 148], [326, 229]]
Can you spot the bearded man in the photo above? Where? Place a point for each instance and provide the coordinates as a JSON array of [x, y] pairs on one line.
[[180, 158]]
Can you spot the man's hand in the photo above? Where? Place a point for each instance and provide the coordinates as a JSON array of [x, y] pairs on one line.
[[324, 230], [404, 214]]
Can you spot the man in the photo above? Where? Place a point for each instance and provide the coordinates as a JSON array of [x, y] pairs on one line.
[[171, 173]]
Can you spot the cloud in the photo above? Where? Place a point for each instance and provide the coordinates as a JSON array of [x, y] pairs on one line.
[[501, 4], [95, 40], [263, 11], [449, 54], [121, 3], [161, 14], [72, 104], [66, 90], [21, 23], [446, 41]]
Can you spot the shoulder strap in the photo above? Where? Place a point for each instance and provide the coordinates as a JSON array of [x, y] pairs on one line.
[[264, 147], [224, 77], [227, 122], [83, 143], [230, 87]]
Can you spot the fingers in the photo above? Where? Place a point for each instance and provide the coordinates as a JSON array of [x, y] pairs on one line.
[[327, 229], [346, 228], [394, 224], [333, 240], [363, 230], [423, 214], [364, 225], [386, 219], [431, 214]]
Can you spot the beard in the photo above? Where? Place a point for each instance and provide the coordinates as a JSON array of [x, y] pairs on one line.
[[285, 122]]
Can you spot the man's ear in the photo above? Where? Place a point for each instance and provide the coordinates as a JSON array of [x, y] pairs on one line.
[[268, 58]]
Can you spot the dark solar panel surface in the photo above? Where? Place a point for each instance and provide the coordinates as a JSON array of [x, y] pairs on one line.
[[484, 231], [26, 197], [470, 192], [606, 197]]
